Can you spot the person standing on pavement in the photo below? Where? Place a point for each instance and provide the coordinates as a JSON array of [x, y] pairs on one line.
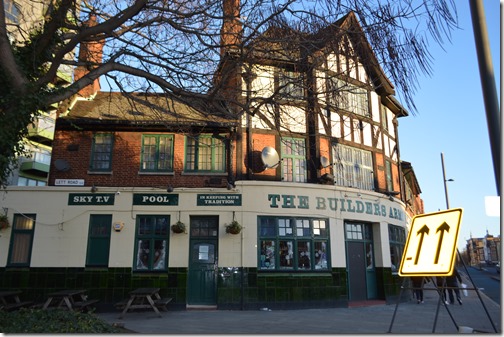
[[418, 282], [441, 285], [453, 283]]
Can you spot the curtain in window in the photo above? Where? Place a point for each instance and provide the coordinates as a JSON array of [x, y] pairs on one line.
[[20, 248]]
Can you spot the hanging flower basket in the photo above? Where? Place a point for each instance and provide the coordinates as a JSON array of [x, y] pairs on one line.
[[4, 221], [178, 227], [234, 227]]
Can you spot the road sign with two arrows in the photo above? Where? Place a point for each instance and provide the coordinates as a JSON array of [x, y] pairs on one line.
[[432, 244]]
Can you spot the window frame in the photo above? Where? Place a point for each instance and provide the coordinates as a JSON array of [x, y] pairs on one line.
[[17, 232], [290, 84], [157, 153], [292, 232], [297, 162], [95, 153], [195, 154], [397, 239], [389, 176], [151, 238], [353, 167], [26, 181], [348, 97]]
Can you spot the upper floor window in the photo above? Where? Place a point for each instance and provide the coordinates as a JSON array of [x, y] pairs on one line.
[[157, 153], [205, 153], [24, 181], [290, 84], [293, 244], [293, 159], [41, 156], [384, 119], [101, 156], [349, 97], [11, 11], [353, 167], [388, 174]]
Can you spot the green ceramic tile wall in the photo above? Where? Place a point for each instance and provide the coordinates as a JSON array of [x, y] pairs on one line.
[[235, 285]]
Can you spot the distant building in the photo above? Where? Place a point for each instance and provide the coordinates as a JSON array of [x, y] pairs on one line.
[[485, 250], [33, 170]]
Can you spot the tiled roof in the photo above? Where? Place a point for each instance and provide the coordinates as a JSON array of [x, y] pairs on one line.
[[145, 109]]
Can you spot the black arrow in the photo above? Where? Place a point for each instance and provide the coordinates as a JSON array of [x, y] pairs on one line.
[[444, 227], [422, 231]]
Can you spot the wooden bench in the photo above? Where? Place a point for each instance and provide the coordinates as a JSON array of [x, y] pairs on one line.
[[162, 303], [121, 304], [84, 305], [37, 305], [14, 306]]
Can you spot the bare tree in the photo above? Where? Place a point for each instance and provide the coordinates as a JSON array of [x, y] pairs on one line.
[[189, 50]]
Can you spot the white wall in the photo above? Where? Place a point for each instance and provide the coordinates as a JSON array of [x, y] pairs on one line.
[[61, 230]]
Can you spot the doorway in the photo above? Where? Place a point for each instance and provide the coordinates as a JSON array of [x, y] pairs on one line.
[[360, 262], [203, 261]]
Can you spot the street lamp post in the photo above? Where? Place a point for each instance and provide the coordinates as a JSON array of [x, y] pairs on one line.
[[444, 181]]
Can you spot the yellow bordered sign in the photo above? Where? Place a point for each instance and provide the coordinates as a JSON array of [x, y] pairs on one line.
[[432, 244]]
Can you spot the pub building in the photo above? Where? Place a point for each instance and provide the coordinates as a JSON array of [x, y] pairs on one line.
[[320, 195]]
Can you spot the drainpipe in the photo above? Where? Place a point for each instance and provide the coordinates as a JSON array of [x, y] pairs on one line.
[[242, 281]]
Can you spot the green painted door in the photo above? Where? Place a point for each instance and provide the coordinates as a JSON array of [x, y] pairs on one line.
[[98, 240], [203, 261]]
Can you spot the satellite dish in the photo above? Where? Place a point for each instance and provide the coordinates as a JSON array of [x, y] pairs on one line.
[[324, 161], [269, 157], [61, 165]]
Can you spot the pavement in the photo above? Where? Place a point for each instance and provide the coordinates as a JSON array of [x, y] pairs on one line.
[[477, 314]]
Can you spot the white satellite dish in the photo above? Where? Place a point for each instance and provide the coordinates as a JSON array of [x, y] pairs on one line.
[[324, 161], [61, 165], [270, 157]]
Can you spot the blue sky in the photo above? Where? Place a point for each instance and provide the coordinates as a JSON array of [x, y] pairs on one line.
[[451, 118]]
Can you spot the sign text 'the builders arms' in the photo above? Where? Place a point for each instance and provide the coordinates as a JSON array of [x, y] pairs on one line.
[[334, 204]]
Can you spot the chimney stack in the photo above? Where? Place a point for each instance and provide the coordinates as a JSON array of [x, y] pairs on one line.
[[91, 53], [231, 30]]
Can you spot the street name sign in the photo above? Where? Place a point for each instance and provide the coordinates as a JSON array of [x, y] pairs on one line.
[[432, 244]]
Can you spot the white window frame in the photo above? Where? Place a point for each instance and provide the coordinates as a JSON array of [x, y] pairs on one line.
[[294, 160], [353, 167]]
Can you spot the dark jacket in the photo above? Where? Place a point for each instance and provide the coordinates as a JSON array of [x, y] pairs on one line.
[[451, 281]]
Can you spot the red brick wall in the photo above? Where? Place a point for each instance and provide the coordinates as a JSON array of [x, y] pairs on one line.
[[380, 173], [125, 162], [259, 142]]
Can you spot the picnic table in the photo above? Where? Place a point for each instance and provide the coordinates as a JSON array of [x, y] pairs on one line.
[[144, 298], [72, 299], [9, 300]]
